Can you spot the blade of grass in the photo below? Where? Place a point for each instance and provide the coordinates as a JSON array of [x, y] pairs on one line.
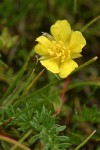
[[39, 102], [85, 141], [3, 64], [19, 75], [82, 84], [21, 140], [28, 88], [75, 7], [85, 64], [33, 94], [16, 93], [12, 141], [13, 96], [32, 83], [90, 23]]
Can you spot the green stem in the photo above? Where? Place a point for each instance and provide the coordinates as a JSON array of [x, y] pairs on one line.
[[9, 140], [83, 143], [27, 89], [82, 84], [11, 98], [28, 108], [32, 83], [19, 75], [2, 125], [22, 139], [90, 23], [74, 85], [3, 64], [33, 94], [85, 64], [75, 6], [45, 99]]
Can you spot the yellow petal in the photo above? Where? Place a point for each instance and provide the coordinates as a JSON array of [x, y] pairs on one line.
[[40, 49], [67, 67], [51, 65], [75, 55], [61, 30], [43, 46], [77, 42]]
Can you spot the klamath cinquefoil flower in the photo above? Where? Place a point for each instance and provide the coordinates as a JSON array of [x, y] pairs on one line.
[[58, 51]]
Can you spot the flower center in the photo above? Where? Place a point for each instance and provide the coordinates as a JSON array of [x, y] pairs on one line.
[[59, 51]]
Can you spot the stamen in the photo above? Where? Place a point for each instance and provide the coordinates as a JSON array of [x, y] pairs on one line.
[[58, 54], [61, 43], [50, 52], [53, 42], [59, 51], [63, 58]]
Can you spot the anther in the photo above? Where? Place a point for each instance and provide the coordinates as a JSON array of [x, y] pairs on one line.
[[53, 42], [50, 52]]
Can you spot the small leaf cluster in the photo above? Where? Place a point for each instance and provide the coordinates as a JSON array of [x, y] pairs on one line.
[[44, 127], [6, 40], [91, 115], [48, 131], [23, 121], [43, 124], [6, 113]]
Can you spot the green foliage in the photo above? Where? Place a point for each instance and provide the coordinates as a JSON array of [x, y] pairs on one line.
[[6, 113], [91, 115], [44, 124], [6, 40], [23, 121]]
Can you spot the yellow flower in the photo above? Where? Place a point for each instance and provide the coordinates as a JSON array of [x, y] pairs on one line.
[[58, 51]]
